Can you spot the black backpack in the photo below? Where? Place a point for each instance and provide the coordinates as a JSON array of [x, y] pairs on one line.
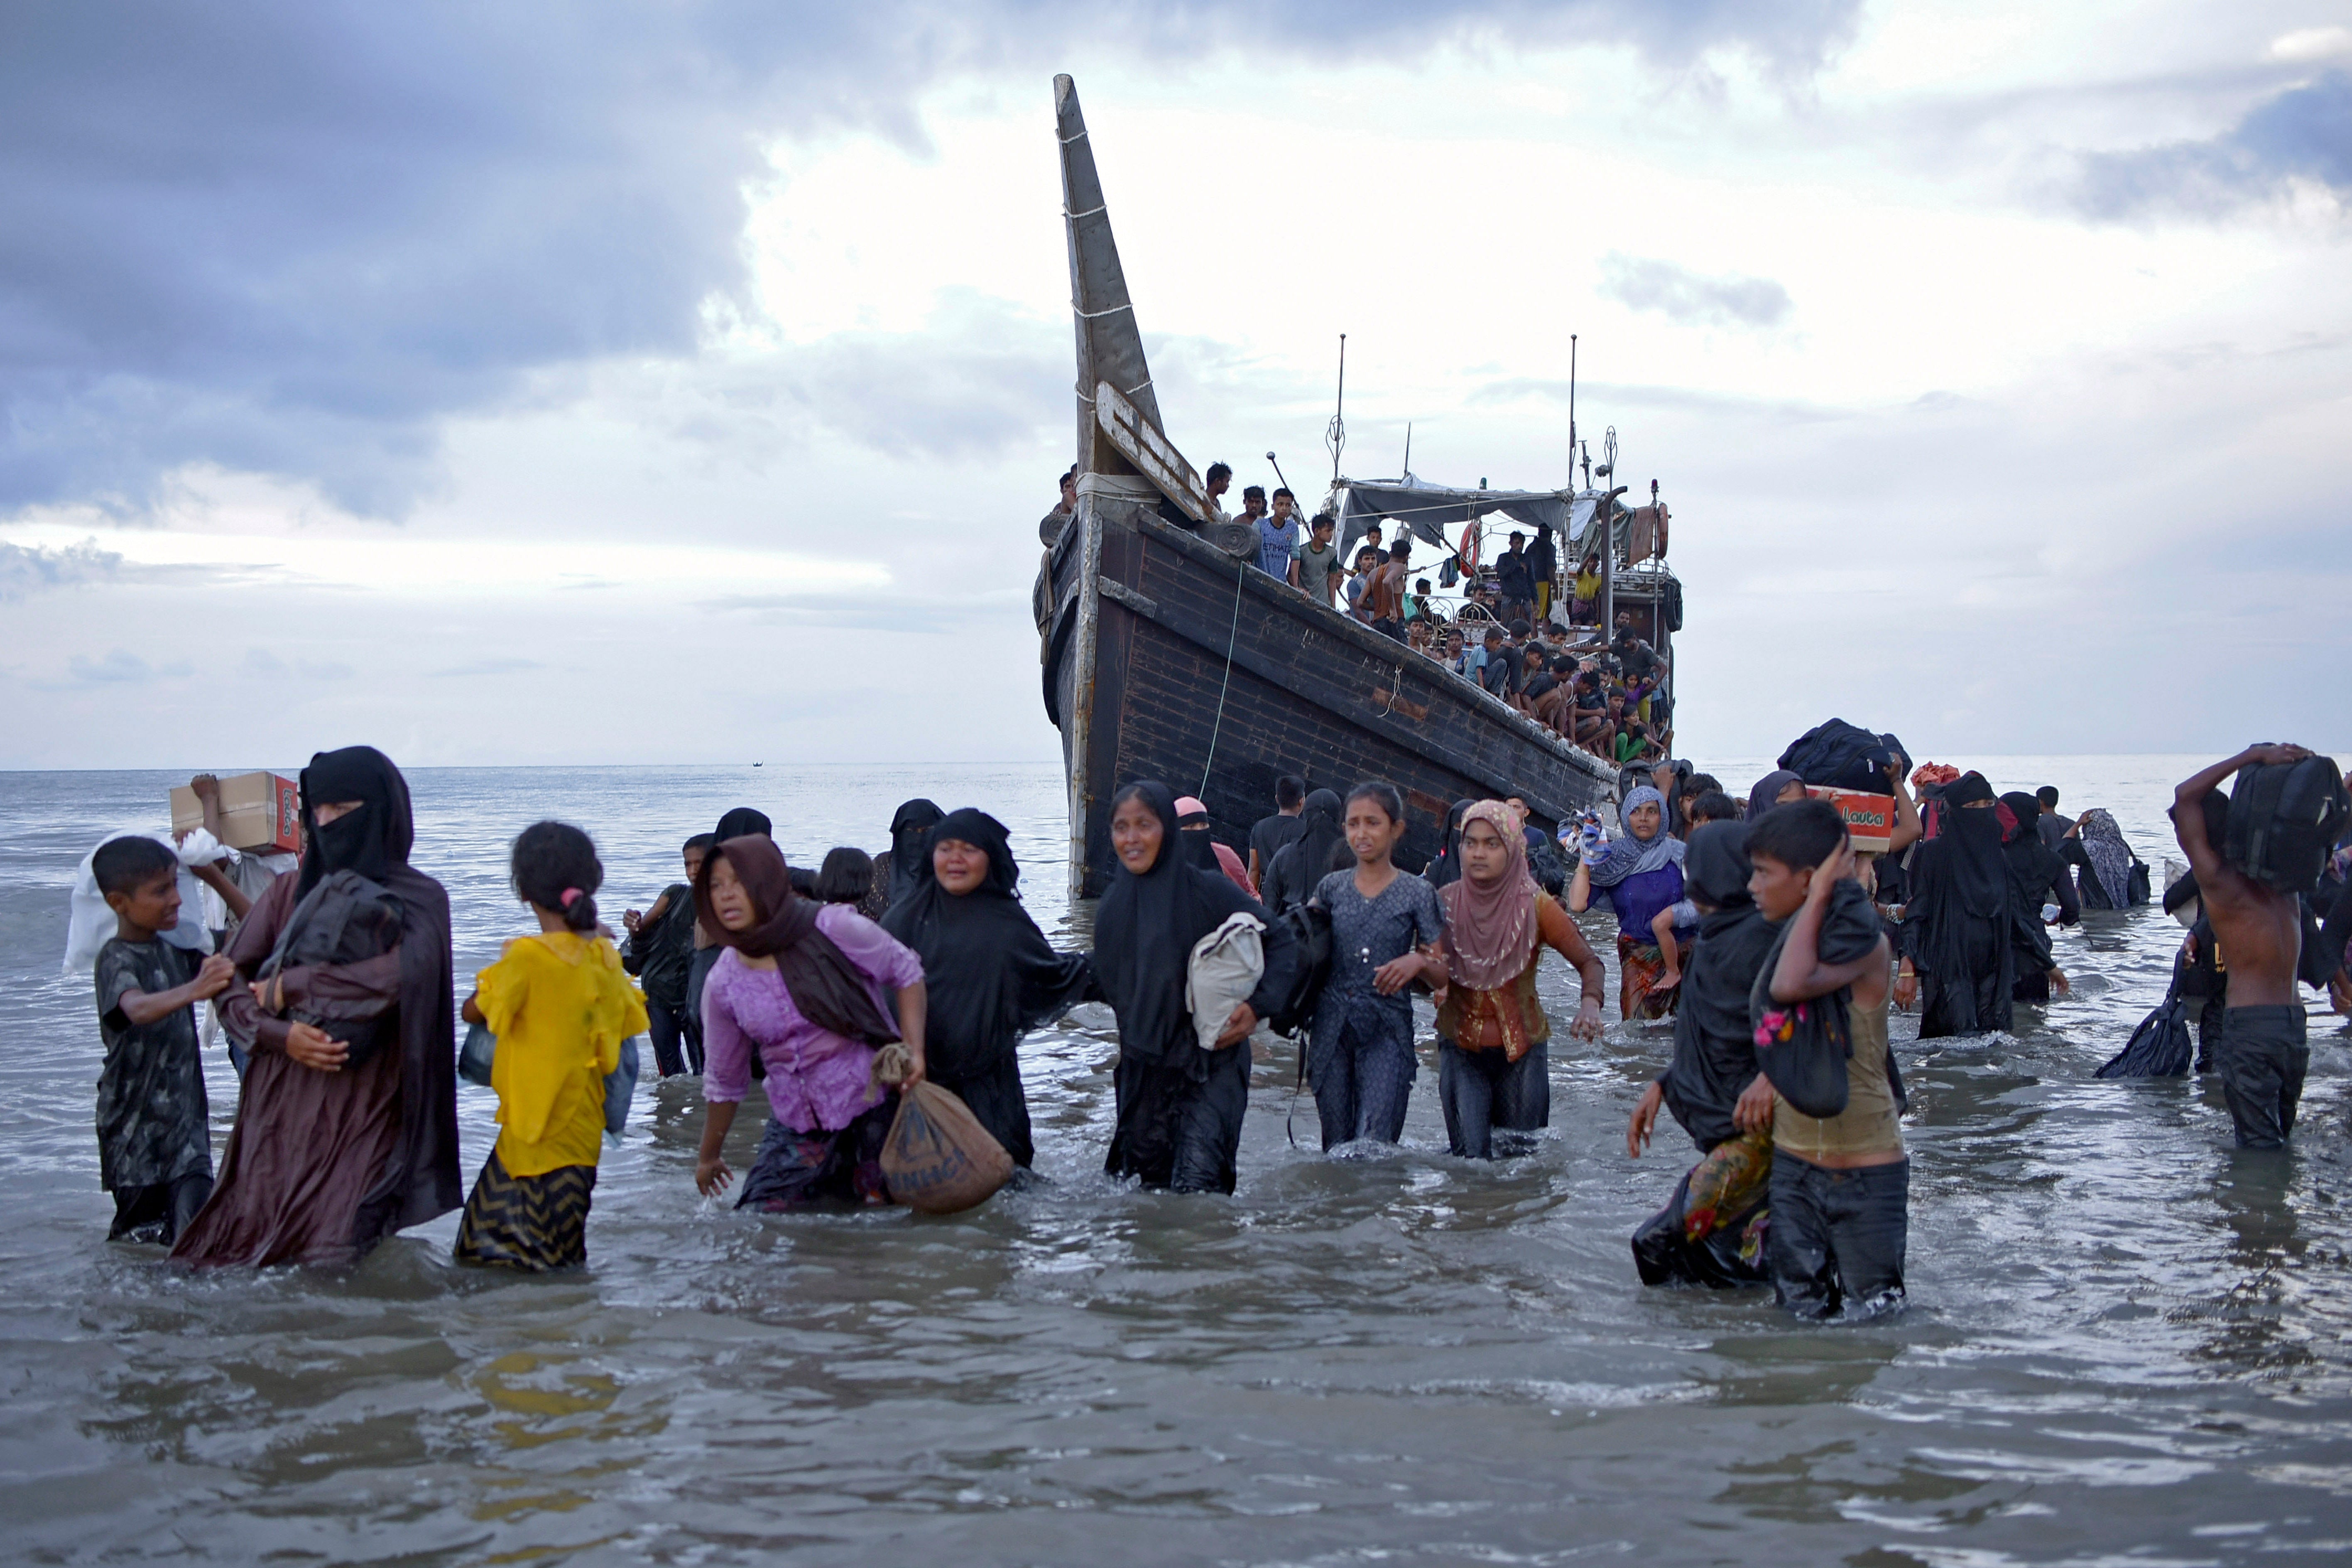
[[1309, 925], [1844, 757], [2284, 820]]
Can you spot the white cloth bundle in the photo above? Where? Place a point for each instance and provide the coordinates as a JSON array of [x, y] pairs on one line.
[[90, 924], [1226, 968]]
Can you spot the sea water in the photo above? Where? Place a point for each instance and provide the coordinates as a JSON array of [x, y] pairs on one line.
[[2126, 1341]]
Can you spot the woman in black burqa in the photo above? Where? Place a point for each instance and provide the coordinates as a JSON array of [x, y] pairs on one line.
[[1445, 867], [328, 1158], [2034, 866], [1301, 865], [1959, 917], [992, 976], [1179, 1107], [910, 831], [1713, 1065]]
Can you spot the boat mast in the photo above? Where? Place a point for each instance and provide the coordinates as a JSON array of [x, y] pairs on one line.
[[1336, 435], [1110, 348]]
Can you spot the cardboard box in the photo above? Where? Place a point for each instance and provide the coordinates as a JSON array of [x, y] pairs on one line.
[[1869, 818], [257, 811]]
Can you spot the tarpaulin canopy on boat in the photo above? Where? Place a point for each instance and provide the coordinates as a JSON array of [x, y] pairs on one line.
[[1430, 509]]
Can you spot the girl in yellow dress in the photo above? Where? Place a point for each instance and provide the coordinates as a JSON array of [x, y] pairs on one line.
[[560, 1005]]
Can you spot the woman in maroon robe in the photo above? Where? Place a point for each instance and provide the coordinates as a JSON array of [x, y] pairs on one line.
[[333, 1152]]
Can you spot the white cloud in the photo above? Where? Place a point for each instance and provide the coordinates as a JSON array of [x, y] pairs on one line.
[[1985, 462]]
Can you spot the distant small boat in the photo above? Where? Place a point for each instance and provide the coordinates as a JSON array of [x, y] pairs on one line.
[[759, 765]]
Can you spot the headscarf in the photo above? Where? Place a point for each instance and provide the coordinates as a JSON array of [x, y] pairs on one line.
[[1490, 930], [2033, 866], [1967, 871], [910, 851], [1630, 856], [1306, 860], [419, 1178], [1446, 866], [1680, 772], [371, 840], [1763, 797], [1145, 929], [1193, 821], [2110, 857], [830, 992], [744, 822], [990, 973], [1715, 1046]]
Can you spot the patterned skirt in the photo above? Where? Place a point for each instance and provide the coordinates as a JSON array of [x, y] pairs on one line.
[[531, 1223], [796, 1169], [1639, 966]]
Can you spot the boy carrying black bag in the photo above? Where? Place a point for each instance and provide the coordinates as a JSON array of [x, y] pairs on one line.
[[1841, 1180]]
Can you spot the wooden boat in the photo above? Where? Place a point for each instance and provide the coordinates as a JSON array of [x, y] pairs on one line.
[[1168, 655]]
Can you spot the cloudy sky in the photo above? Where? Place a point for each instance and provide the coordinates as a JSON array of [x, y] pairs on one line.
[[685, 383]]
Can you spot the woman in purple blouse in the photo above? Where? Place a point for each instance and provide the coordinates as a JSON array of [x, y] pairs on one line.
[[809, 985]]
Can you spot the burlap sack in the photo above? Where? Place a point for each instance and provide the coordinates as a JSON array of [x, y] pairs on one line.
[[938, 1158]]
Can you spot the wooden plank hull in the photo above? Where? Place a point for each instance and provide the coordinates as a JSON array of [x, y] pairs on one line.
[[1216, 679]]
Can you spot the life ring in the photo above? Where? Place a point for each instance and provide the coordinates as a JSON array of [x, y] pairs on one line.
[[1469, 551]]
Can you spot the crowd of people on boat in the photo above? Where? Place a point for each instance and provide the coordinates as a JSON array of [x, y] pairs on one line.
[[1611, 696], [1754, 924]]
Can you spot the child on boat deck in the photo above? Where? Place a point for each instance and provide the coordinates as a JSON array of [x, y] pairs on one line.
[[560, 1005], [155, 1132]]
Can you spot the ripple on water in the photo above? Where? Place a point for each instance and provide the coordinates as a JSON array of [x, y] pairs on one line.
[[2126, 1342]]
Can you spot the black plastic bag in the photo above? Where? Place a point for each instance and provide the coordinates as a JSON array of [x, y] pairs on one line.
[[1840, 755], [1803, 1046], [2160, 1047]]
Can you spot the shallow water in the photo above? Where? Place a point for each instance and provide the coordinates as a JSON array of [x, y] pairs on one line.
[[2126, 1341]]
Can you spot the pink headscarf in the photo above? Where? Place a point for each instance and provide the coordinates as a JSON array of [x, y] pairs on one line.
[[1491, 930]]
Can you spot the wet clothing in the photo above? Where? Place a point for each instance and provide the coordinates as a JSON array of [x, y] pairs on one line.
[[1481, 1090], [661, 951], [530, 1224], [2034, 874], [991, 976], [154, 1126], [1268, 837], [1961, 918], [797, 1168], [1715, 1044], [1719, 1243], [560, 1005], [2262, 1058], [1836, 1242], [1179, 1107], [320, 1166], [1359, 1054], [910, 853], [158, 1214], [661, 955], [1446, 866], [1303, 862], [1870, 1123], [817, 1077]]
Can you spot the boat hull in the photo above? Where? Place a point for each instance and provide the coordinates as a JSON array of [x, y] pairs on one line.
[[1166, 657]]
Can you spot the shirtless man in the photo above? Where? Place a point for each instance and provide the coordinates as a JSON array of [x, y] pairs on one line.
[[1387, 590], [2262, 1053]]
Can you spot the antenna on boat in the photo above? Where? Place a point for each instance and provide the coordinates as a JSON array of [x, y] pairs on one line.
[[1572, 412], [1336, 435], [1408, 449], [1285, 482]]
